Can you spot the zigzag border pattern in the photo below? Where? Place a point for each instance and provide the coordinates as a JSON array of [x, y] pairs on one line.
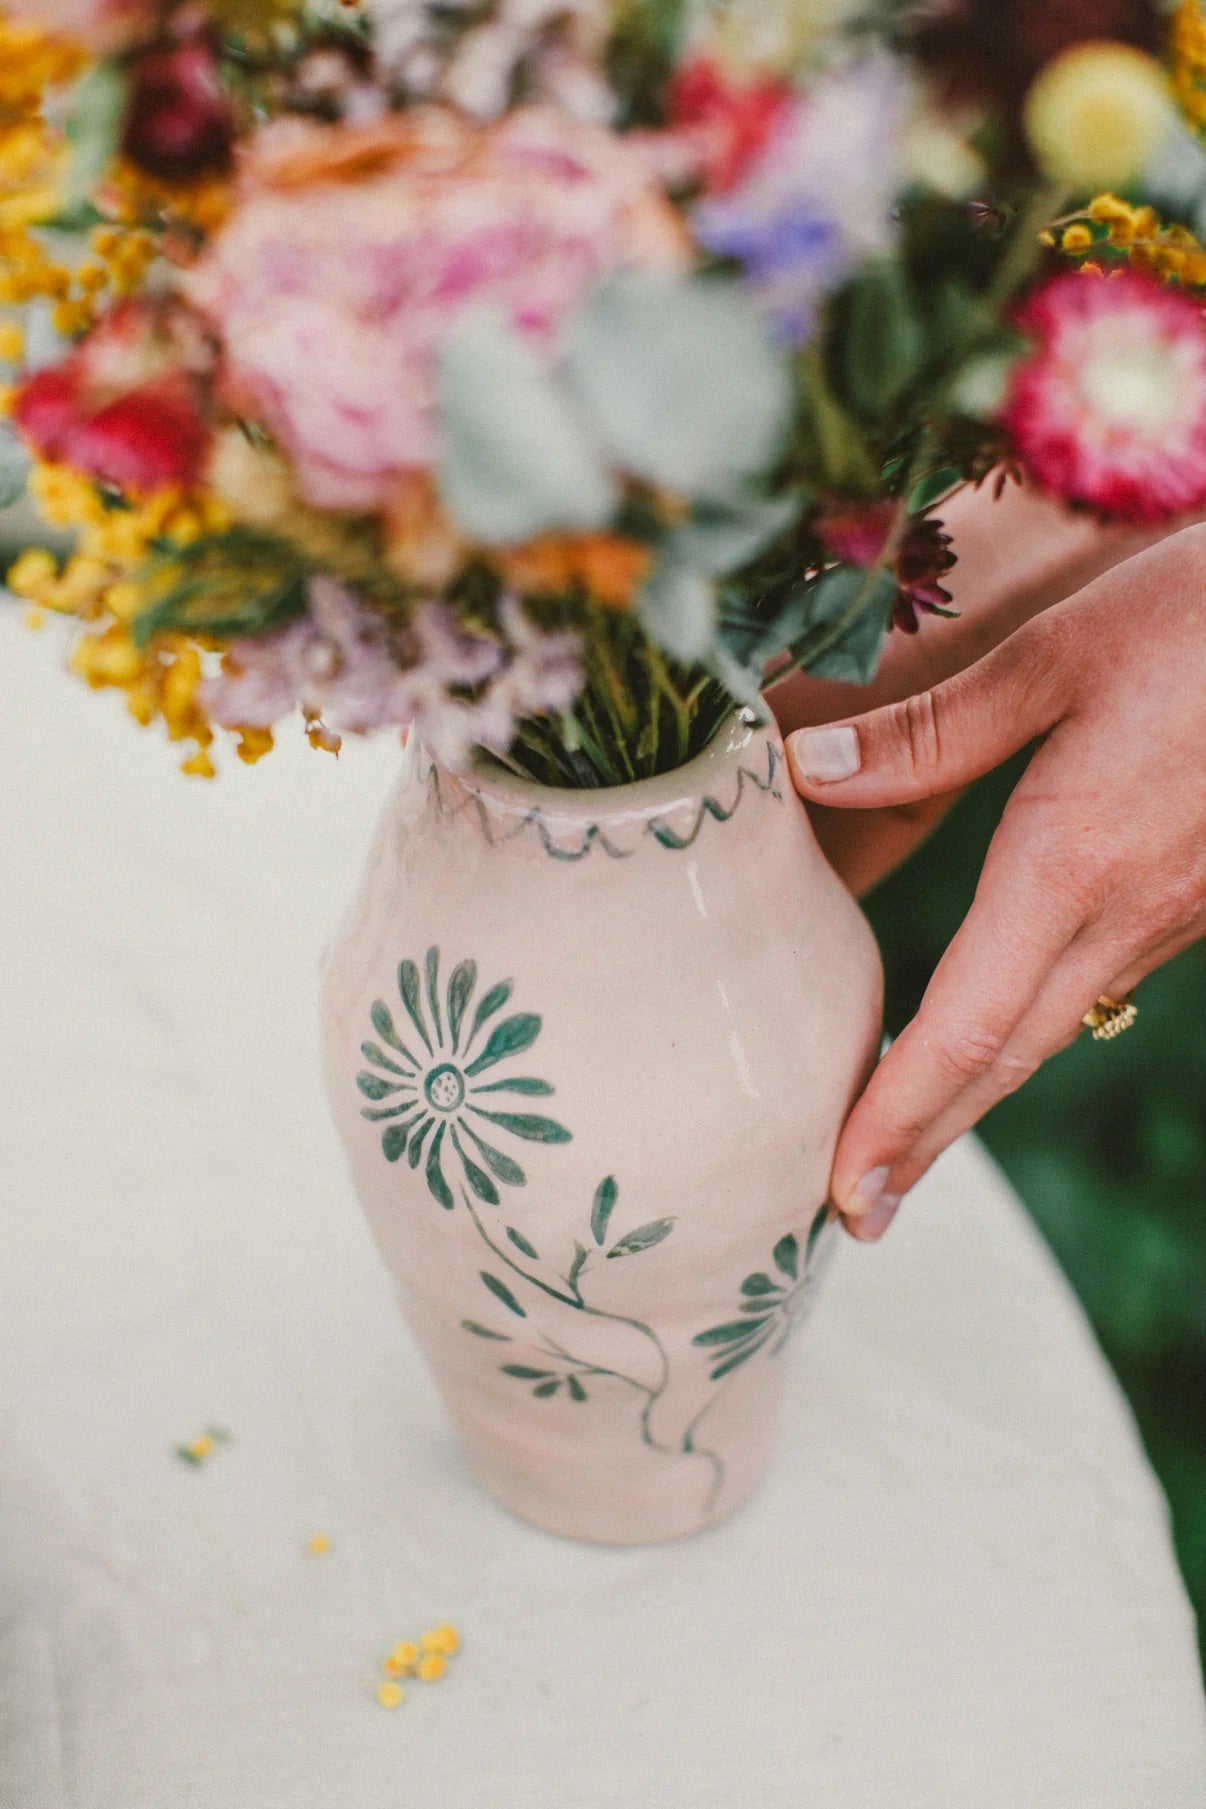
[[594, 836]]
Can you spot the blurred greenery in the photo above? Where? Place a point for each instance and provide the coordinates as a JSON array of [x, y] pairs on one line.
[[1107, 1146]]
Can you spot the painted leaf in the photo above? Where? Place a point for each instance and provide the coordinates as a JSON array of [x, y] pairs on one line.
[[643, 1238], [373, 1052], [483, 1331], [502, 1292], [435, 1174], [579, 1263], [814, 1233], [525, 1372], [535, 1089], [460, 991], [433, 990], [373, 1087], [408, 986], [477, 1177], [494, 1001], [604, 1206], [576, 1390], [507, 1171], [393, 1141], [761, 1304], [510, 1037], [760, 1284], [375, 1114], [545, 1389], [786, 1256], [416, 1143], [730, 1333], [527, 1125], [383, 1024], [735, 1359], [521, 1243]]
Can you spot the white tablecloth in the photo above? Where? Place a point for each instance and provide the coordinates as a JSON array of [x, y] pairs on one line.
[[955, 1592]]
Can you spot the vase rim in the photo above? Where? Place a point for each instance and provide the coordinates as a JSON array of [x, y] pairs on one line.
[[745, 754]]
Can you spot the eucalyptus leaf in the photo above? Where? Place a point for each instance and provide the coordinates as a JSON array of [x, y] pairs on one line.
[[682, 381], [97, 110], [677, 609], [517, 458], [719, 539], [14, 467]]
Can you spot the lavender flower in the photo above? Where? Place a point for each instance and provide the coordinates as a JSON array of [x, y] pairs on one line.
[[818, 200]]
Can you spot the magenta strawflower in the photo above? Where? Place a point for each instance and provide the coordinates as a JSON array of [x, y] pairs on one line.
[[1109, 409]]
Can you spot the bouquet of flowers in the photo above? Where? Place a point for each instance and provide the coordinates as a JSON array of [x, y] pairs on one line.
[[544, 373]]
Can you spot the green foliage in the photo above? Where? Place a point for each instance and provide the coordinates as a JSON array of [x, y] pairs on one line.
[[238, 583], [1107, 1146]]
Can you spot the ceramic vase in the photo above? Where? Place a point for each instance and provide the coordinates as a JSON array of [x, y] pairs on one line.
[[589, 1053]]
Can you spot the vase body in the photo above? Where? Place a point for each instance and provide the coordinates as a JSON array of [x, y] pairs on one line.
[[589, 1053]]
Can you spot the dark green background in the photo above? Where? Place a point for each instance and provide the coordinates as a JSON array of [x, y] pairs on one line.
[[1107, 1146]]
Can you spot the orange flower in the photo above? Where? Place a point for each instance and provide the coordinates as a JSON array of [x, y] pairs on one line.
[[608, 568]]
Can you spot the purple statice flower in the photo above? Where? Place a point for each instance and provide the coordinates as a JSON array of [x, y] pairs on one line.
[[818, 200], [338, 664], [346, 667]]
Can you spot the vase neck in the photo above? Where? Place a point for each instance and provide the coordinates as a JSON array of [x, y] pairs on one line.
[[742, 768]]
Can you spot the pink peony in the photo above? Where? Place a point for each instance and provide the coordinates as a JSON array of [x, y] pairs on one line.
[[1109, 408], [126, 405], [352, 253]]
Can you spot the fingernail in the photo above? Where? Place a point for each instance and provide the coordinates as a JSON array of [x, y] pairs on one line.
[[873, 1224], [826, 755], [866, 1196]]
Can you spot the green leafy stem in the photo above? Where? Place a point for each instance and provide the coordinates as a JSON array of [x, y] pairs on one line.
[[567, 1289]]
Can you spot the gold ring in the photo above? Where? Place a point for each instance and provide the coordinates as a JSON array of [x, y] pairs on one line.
[[1110, 1017]]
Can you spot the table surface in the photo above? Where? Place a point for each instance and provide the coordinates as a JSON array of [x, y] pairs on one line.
[[956, 1588]]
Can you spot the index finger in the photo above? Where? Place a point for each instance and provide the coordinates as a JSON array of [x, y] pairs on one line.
[[983, 987]]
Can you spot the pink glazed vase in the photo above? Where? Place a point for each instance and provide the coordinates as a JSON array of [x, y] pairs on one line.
[[589, 1053]]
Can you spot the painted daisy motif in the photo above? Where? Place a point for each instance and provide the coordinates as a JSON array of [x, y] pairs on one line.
[[434, 1080]]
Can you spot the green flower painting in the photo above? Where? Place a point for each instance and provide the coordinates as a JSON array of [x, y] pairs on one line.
[[440, 1077]]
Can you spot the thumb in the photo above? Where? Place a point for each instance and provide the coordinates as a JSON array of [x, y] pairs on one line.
[[941, 739]]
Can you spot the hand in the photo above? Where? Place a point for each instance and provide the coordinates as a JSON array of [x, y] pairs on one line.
[[1017, 556], [1097, 873]]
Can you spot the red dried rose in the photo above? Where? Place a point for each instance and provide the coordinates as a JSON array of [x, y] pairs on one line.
[[126, 406], [179, 121]]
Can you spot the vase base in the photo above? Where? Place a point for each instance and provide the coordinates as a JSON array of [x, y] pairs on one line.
[[633, 1516]]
